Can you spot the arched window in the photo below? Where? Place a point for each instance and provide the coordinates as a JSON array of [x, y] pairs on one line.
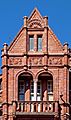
[[24, 86], [46, 86]]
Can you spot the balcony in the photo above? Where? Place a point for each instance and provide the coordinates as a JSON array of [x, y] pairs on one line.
[[36, 108]]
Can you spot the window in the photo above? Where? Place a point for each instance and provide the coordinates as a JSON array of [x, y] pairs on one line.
[[32, 87], [39, 43], [31, 42], [39, 87], [21, 90], [50, 86], [32, 90], [50, 90]]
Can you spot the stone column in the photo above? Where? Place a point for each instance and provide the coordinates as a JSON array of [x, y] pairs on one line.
[[35, 91], [35, 42]]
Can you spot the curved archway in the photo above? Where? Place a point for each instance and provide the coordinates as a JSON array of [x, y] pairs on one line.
[[45, 86], [24, 83], [43, 71], [23, 72]]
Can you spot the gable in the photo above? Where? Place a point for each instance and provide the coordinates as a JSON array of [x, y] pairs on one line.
[[54, 45], [17, 46], [35, 20]]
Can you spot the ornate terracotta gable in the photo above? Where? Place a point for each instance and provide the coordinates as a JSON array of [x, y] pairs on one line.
[[35, 20]]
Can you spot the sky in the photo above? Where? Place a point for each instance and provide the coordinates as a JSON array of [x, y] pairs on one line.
[[13, 11]]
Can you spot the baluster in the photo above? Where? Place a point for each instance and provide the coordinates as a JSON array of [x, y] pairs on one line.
[[18, 107], [21, 107], [32, 107], [25, 106], [50, 107], [44, 105], [46, 108], [56, 108], [36, 105], [28, 106]]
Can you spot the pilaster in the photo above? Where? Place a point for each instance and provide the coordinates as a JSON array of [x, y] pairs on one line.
[[45, 42], [25, 39], [5, 81]]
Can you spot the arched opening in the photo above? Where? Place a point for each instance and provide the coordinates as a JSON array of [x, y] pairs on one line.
[[24, 83], [45, 87]]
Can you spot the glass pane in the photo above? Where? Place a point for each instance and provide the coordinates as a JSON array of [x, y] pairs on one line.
[[21, 97], [32, 97], [39, 43], [31, 38], [21, 90], [38, 87], [32, 87], [50, 86]]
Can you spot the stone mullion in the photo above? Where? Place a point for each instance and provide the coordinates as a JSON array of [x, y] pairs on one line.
[[35, 42]]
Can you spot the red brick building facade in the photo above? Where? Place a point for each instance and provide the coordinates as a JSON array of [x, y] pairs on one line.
[[36, 75]]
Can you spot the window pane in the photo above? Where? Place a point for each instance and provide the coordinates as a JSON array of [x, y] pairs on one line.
[[50, 86], [21, 90], [32, 87], [39, 43], [21, 97], [38, 87], [31, 42]]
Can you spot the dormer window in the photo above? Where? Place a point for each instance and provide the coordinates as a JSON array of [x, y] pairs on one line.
[[31, 42]]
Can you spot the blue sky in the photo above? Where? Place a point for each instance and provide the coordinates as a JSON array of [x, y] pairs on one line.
[[12, 12]]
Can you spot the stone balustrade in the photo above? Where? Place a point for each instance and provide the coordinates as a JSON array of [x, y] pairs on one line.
[[37, 106]]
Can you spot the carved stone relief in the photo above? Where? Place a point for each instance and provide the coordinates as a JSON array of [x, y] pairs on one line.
[[34, 24], [15, 61], [55, 61], [35, 61]]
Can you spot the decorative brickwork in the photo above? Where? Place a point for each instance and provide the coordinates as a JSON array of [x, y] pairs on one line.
[[35, 83]]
